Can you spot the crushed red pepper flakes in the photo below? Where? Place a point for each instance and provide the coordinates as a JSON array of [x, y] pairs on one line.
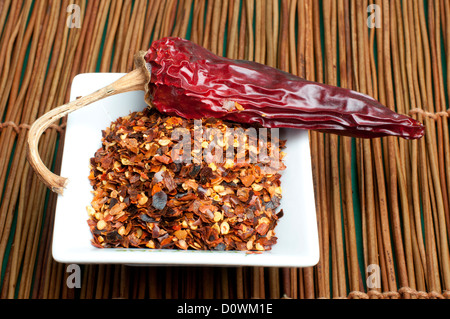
[[142, 197]]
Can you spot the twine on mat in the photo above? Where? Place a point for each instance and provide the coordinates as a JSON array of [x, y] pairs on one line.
[[400, 294], [434, 116], [18, 127]]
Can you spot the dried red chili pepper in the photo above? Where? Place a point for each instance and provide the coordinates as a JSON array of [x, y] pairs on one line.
[[189, 81]]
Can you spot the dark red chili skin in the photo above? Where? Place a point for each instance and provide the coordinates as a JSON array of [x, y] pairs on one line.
[[189, 81]]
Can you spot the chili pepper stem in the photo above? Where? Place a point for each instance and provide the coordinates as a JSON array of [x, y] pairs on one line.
[[133, 81]]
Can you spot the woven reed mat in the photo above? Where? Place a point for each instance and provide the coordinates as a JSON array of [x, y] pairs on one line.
[[382, 205]]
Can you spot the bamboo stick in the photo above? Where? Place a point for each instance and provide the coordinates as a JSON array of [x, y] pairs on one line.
[[431, 148], [303, 57], [410, 236], [10, 196], [415, 100], [392, 171], [111, 29], [215, 24], [331, 49], [367, 167], [250, 33], [178, 16], [123, 22], [292, 40], [323, 266], [35, 210], [4, 9], [442, 127], [446, 34], [207, 31], [233, 30], [11, 32], [12, 114], [89, 24], [221, 30], [152, 282], [74, 36], [197, 11], [346, 154], [150, 20]]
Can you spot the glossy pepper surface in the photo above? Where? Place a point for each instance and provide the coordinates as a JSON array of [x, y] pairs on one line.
[[187, 80]]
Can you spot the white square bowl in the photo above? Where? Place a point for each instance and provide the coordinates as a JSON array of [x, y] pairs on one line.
[[297, 233]]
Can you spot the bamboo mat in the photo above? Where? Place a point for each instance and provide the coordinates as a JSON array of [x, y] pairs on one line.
[[382, 205]]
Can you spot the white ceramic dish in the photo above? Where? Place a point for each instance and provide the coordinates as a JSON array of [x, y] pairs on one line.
[[297, 234]]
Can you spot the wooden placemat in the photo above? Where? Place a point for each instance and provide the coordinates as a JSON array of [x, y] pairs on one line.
[[382, 204]]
